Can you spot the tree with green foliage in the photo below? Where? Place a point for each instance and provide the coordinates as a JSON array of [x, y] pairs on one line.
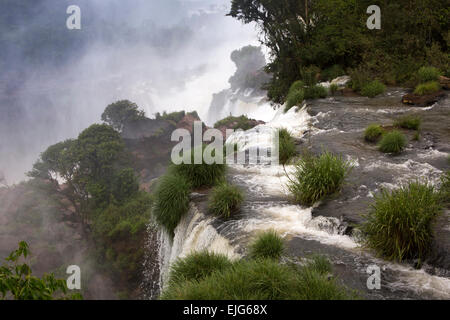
[[119, 113], [18, 283]]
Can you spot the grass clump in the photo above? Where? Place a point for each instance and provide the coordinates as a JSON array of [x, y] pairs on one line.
[[236, 123], [200, 175], [286, 146], [393, 142], [399, 223], [373, 133], [427, 74], [172, 197], [295, 95], [317, 176], [332, 73], [315, 92], [409, 122], [268, 245], [259, 280], [225, 200], [333, 88], [197, 266], [445, 187], [427, 88], [372, 89]]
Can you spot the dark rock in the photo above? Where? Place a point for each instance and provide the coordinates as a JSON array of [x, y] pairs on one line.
[[422, 101]]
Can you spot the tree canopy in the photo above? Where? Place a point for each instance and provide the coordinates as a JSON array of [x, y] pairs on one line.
[[120, 113]]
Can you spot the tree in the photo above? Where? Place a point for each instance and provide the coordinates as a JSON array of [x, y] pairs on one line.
[[18, 283], [120, 113]]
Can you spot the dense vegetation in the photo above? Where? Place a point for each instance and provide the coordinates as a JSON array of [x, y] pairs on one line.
[[225, 200], [373, 133], [400, 223], [316, 177], [287, 149], [331, 36], [268, 245], [236, 123], [393, 142], [118, 114]]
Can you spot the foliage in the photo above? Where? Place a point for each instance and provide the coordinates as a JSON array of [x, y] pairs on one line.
[[428, 74], [172, 198], [176, 116], [18, 283], [333, 88], [393, 142], [325, 33], [427, 88], [197, 266], [287, 148], [260, 280], [236, 123], [315, 92], [373, 89], [408, 122], [295, 96], [317, 176], [332, 72], [445, 187], [119, 113], [400, 223], [200, 175], [373, 133], [225, 200], [268, 245]]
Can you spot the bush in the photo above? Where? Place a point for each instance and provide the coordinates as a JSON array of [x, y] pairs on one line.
[[268, 245], [373, 89], [259, 280], [317, 177], [373, 133], [200, 175], [399, 223], [393, 142], [332, 72], [360, 78], [315, 92], [333, 88], [171, 201], [428, 74], [427, 88], [287, 148], [225, 200], [295, 96], [319, 264], [197, 266], [408, 122], [242, 122]]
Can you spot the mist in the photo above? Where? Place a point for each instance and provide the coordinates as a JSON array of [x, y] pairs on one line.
[[164, 55]]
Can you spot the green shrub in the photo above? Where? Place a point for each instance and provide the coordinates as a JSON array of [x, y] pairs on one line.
[[200, 175], [416, 136], [372, 89], [172, 197], [373, 133], [287, 148], [393, 142], [242, 122], [427, 74], [225, 200], [268, 245], [332, 72], [319, 264], [317, 176], [408, 122], [445, 187], [259, 280], [427, 88], [315, 92], [399, 223], [297, 86], [197, 266], [309, 75], [333, 88], [360, 78], [294, 98]]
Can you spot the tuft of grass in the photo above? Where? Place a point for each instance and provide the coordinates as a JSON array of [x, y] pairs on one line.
[[332, 73], [333, 88], [260, 280], [295, 95], [236, 123], [427, 74], [315, 92], [445, 187], [399, 223], [416, 136], [372, 89], [427, 88], [172, 197], [200, 175], [286, 146], [319, 264], [316, 177], [268, 245], [197, 266], [225, 200], [393, 142], [373, 133], [408, 122]]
